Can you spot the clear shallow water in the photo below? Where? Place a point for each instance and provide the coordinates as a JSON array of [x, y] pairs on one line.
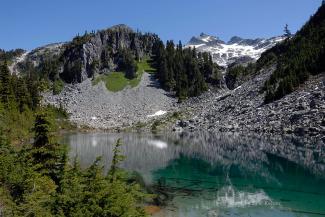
[[219, 175]]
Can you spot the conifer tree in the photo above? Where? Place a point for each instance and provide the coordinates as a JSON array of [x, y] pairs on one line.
[[22, 95], [5, 87], [117, 158], [47, 154], [183, 70], [287, 32], [34, 92], [127, 64]]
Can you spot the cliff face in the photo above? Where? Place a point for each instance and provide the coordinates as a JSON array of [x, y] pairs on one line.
[[91, 53], [101, 52]]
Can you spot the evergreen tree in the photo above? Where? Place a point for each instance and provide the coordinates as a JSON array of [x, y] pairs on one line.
[[183, 70], [128, 64], [23, 98], [6, 94], [49, 68], [287, 32], [33, 87], [117, 158], [170, 57], [48, 156], [182, 87], [163, 71], [91, 193], [180, 46]]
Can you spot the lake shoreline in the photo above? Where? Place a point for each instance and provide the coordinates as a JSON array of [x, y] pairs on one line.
[[215, 173]]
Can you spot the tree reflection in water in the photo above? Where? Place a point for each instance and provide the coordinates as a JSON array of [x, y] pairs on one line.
[[201, 172]]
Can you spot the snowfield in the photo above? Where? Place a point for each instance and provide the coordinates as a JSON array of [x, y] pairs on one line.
[[226, 53]]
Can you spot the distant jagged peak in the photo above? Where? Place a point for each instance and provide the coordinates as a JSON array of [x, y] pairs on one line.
[[242, 41], [203, 34], [204, 38], [236, 49], [235, 39]]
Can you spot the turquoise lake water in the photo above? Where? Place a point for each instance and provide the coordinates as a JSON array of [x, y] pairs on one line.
[[205, 174]]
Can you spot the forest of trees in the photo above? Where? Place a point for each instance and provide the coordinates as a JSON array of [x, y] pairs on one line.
[[297, 58], [238, 74], [183, 70], [37, 179], [19, 98], [127, 64]]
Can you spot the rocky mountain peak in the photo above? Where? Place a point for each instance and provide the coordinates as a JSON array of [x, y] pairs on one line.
[[235, 39], [237, 50], [204, 38], [202, 35], [121, 28], [89, 54]]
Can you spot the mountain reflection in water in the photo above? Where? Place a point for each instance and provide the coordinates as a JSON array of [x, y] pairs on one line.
[[220, 174]]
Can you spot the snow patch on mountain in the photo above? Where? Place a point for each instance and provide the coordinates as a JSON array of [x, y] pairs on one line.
[[226, 53]]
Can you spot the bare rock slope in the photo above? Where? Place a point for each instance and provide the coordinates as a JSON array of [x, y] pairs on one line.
[[243, 109], [96, 107], [240, 110]]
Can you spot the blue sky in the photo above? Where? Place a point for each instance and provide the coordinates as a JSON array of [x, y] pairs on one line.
[[28, 24]]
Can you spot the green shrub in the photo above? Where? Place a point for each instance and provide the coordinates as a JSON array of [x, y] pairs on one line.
[[57, 86]]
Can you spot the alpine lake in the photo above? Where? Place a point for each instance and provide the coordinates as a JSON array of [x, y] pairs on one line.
[[206, 174]]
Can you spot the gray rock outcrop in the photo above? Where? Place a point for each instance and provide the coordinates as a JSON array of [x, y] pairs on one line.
[[243, 109]]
